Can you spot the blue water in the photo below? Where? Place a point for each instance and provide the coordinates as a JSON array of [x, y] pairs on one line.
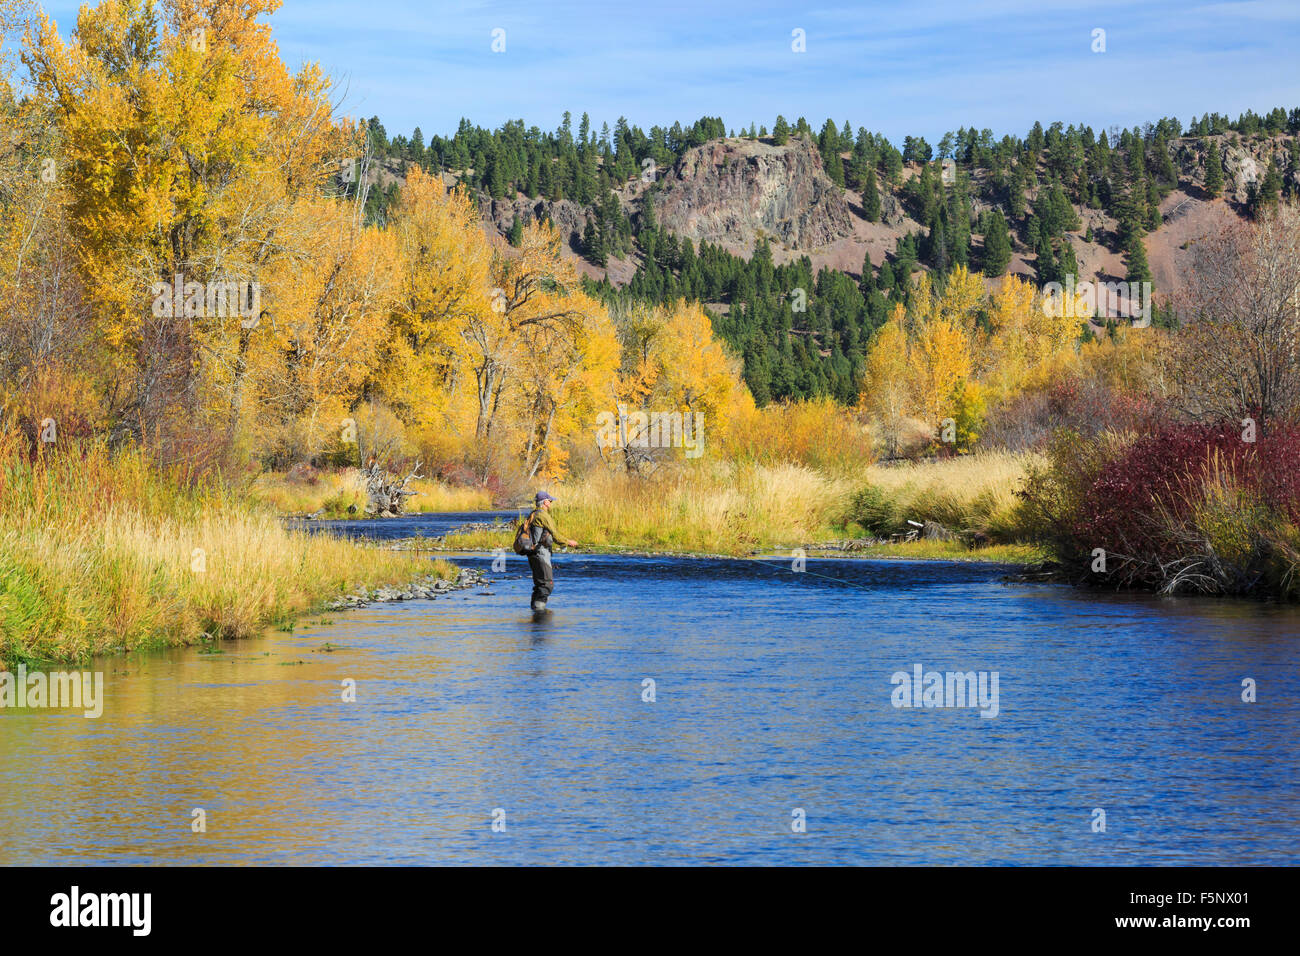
[[429, 525], [773, 695]]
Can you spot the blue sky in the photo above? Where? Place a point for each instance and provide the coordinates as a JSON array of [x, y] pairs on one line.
[[894, 67]]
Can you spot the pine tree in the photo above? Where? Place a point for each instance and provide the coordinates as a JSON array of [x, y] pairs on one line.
[[828, 145], [496, 181], [1045, 261], [1069, 263], [1153, 207], [871, 196], [1213, 171], [867, 284], [781, 131], [1016, 192], [937, 249], [1138, 269], [997, 245], [1270, 190], [886, 278]]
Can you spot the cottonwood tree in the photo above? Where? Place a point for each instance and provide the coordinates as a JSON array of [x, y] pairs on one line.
[[885, 394], [1028, 333], [186, 143], [532, 286], [564, 373], [46, 358], [939, 360], [672, 363], [446, 263], [330, 309]]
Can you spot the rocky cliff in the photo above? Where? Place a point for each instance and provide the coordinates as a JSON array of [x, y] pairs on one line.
[[567, 216], [732, 191]]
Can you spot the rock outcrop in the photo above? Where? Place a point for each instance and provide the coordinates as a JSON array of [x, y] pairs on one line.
[[1245, 161], [567, 216], [731, 192]]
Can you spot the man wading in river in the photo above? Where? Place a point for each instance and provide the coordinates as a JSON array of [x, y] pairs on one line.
[[544, 535]]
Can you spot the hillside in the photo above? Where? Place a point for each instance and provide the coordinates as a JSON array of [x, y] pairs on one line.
[[683, 212], [733, 191]]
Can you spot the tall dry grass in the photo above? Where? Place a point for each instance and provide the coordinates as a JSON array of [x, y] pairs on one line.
[[718, 507], [816, 433], [102, 553], [334, 492], [736, 507], [964, 493]]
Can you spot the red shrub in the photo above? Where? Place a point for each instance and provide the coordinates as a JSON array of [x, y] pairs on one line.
[[1166, 471]]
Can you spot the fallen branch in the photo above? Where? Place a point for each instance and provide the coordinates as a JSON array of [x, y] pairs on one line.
[[385, 496]]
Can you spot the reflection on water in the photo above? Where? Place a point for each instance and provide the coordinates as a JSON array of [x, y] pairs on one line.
[[772, 693], [431, 524]]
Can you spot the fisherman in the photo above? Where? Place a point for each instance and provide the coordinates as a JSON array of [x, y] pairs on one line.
[[544, 536]]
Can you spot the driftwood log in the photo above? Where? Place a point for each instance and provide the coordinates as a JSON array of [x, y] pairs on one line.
[[385, 495]]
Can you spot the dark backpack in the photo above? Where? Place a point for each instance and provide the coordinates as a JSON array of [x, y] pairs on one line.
[[523, 543], [524, 536]]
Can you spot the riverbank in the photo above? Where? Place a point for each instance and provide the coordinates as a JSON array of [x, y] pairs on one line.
[[106, 553], [968, 503], [339, 494], [919, 550]]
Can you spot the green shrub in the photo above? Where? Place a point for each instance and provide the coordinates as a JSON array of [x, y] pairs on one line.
[[875, 511]]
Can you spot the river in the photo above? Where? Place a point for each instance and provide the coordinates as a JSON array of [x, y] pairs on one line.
[[771, 711]]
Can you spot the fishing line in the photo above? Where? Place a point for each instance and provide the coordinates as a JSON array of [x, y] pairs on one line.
[[815, 574]]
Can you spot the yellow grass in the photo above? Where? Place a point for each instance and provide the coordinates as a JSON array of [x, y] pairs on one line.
[[926, 550], [336, 491], [970, 492], [719, 508], [730, 508], [100, 554]]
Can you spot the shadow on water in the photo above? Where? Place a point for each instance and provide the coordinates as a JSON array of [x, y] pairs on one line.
[[667, 710]]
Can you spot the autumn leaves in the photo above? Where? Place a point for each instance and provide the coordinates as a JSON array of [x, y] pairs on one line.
[[945, 354], [213, 162]]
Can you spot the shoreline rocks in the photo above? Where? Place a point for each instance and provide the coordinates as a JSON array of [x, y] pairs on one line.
[[424, 588]]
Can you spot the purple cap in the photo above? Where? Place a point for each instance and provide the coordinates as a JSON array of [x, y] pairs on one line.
[[543, 496]]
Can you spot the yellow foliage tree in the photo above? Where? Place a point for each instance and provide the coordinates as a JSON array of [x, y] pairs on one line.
[[327, 320], [673, 364], [186, 145], [885, 393], [963, 295], [446, 263], [940, 358], [1028, 335]]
